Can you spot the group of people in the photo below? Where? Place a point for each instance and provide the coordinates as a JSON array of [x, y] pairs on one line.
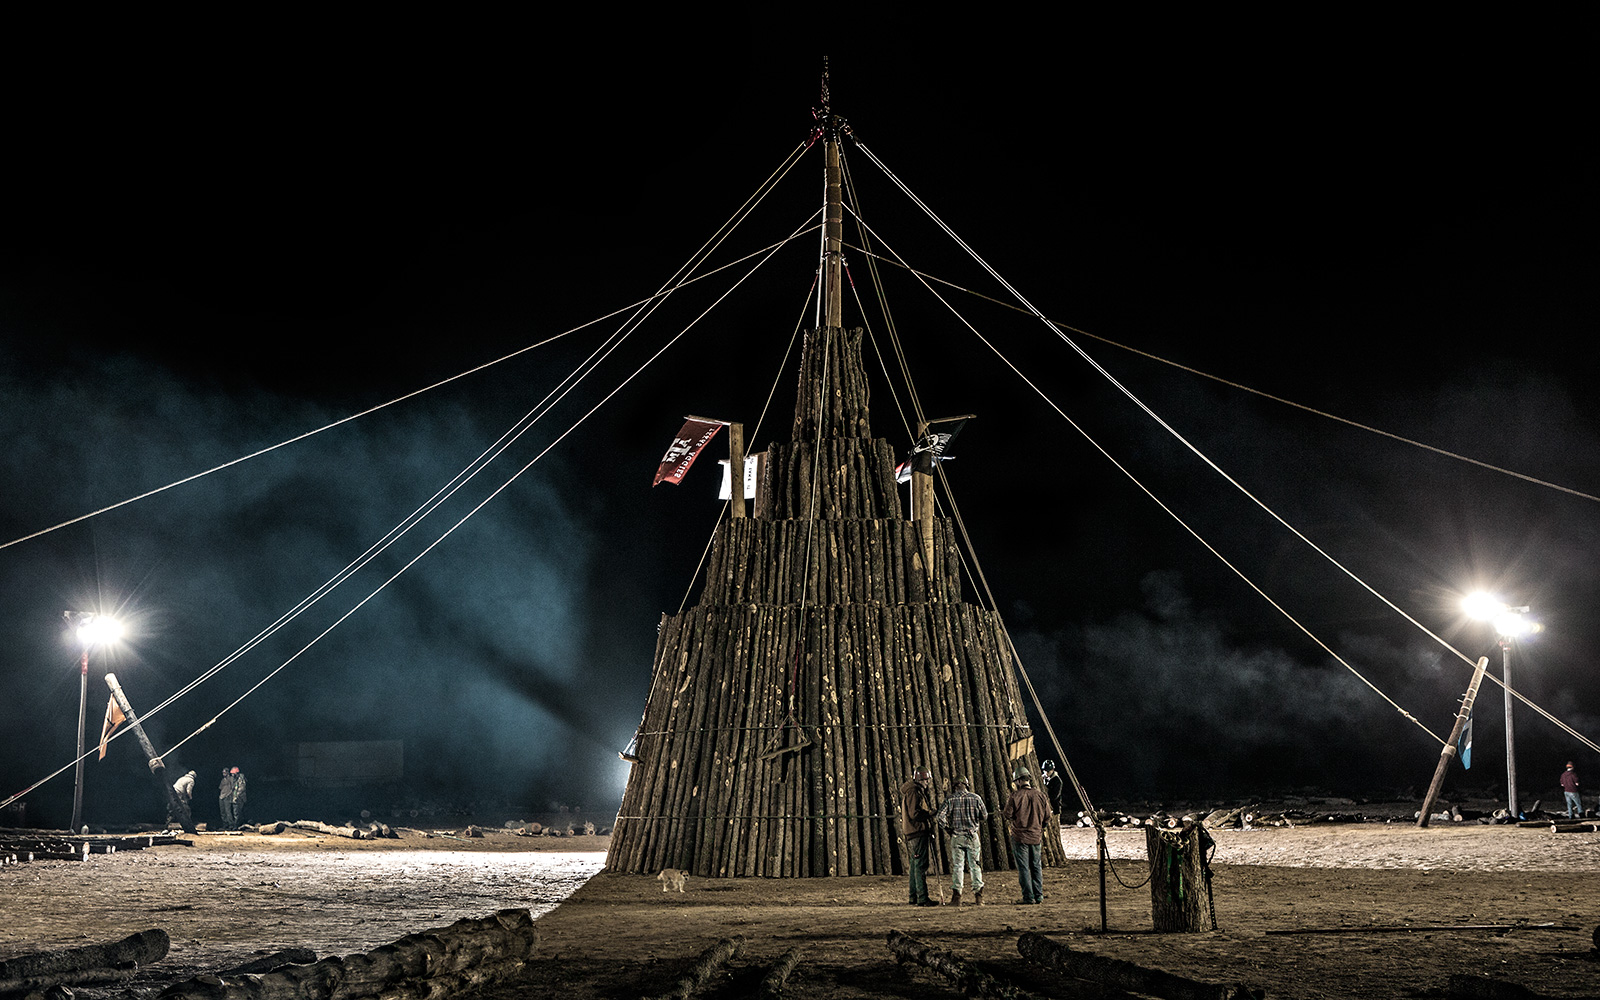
[[230, 796], [1027, 812]]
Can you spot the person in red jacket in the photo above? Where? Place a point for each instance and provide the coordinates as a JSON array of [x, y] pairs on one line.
[[1569, 786]]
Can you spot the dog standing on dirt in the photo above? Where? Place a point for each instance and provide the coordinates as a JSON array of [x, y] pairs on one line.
[[672, 878]]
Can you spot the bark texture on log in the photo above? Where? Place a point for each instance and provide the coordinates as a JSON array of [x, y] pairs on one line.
[[706, 966], [825, 659], [1177, 880], [969, 980], [94, 963], [773, 982], [1117, 974], [438, 963]]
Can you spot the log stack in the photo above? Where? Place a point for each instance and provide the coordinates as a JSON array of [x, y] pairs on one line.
[[825, 659]]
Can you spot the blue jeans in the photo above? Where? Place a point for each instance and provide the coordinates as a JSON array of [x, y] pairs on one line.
[[1030, 871], [1574, 805], [917, 864], [965, 852]]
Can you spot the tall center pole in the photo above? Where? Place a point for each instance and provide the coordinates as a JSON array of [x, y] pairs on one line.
[[832, 128], [833, 236]]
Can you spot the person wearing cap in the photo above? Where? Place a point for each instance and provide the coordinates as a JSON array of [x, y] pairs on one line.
[[183, 794], [238, 798], [1569, 787], [962, 814], [916, 828], [1052, 785], [1026, 812]]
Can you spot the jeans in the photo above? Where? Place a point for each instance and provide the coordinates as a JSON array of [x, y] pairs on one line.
[[917, 863], [1574, 805], [1030, 871], [965, 852]]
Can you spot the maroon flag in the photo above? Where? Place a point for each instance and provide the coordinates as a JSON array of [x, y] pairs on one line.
[[114, 718], [685, 449]]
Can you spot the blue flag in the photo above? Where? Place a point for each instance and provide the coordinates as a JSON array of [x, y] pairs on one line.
[[1464, 745]]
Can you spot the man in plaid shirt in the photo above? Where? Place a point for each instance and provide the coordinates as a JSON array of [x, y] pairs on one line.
[[961, 815]]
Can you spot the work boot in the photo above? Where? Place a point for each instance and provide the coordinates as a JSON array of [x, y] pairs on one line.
[[979, 896], [955, 897]]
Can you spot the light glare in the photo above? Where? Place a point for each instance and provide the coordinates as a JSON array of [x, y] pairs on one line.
[[1481, 606], [99, 629]]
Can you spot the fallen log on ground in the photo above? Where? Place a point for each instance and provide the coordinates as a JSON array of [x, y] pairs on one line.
[[969, 980], [273, 962], [333, 831], [773, 982], [1116, 973], [704, 968], [98, 963], [468, 954]]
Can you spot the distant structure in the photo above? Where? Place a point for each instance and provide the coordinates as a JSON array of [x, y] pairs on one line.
[[829, 654]]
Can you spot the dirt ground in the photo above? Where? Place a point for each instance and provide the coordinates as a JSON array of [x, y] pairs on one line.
[[1346, 892]]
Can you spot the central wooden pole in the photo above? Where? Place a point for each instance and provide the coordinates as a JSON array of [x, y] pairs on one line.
[[736, 468], [833, 239]]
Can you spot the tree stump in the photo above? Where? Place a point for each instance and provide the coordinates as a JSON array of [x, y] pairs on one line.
[[1178, 889]]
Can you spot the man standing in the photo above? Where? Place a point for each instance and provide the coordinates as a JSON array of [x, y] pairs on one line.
[[225, 800], [961, 815], [1026, 812], [1052, 785], [238, 798], [1569, 786], [182, 796], [916, 826]]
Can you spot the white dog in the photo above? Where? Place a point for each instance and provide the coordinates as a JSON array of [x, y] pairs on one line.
[[672, 878]]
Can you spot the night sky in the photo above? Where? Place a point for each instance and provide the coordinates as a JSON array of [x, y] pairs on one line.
[[202, 261]]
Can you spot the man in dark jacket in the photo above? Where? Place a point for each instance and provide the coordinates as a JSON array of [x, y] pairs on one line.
[[225, 800], [916, 826], [1052, 786], [1027, 812]]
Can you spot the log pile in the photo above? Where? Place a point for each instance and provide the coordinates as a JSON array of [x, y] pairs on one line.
[[23, 846], [825, 659]]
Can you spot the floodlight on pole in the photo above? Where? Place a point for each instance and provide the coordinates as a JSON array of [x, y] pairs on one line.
[[1508, 623], [92, 630]]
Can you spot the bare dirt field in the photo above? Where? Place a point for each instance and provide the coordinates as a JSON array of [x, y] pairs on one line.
[[1312, 911]]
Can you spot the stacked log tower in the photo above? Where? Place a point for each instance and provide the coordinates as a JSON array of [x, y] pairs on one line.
[[830, 653]]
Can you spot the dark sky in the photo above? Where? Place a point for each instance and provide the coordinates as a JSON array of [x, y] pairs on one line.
[[202, 259]]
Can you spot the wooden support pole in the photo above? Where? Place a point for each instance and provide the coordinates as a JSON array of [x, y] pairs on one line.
[[1449, 752], [736, 468], [175, 806]]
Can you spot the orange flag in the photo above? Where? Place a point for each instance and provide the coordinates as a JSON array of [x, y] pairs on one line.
[[114, 718]]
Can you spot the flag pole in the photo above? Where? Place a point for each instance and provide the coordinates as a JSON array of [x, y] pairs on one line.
[[177, 808], [1449, 750]]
